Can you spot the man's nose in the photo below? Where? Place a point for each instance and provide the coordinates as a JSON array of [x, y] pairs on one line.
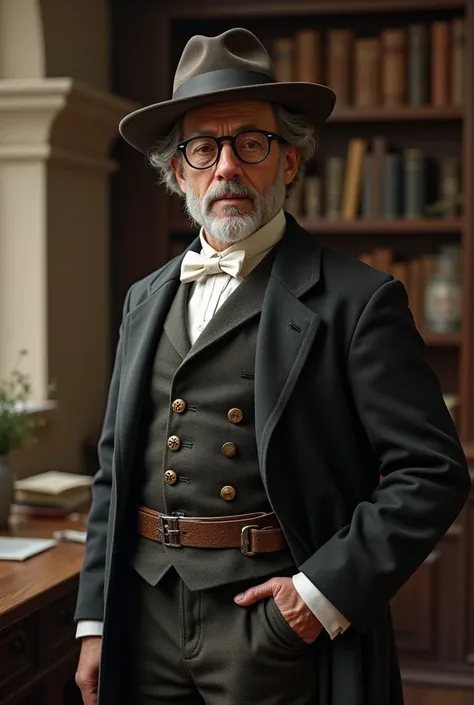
[[229, 165]]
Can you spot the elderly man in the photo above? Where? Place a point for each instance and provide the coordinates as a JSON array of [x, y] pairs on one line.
[[241, 547]]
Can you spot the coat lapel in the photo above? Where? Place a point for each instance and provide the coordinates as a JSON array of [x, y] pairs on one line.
[[287, 329], [244, 303], [175, 325], [142, 329]]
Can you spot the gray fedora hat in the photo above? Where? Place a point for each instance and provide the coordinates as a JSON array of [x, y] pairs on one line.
[[232, 66]]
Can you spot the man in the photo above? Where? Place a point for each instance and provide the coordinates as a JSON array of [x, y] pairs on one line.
[[241, 546]]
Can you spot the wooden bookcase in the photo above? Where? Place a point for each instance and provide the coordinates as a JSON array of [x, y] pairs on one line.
[[434, 613]]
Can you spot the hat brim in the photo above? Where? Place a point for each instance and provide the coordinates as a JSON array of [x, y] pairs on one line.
[[145, 126]]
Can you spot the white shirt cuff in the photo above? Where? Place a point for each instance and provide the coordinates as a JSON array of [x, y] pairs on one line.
[[89, 627], [331, 619]]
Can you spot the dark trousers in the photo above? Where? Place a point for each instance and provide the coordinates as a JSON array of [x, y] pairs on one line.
[[196, 648]]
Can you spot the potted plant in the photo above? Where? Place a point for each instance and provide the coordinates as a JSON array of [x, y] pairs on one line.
[[16, 429]]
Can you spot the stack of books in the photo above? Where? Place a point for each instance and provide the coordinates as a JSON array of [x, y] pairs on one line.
[[53, 493]]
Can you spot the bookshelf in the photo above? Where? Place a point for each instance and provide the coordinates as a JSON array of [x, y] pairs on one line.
[[439, 639]]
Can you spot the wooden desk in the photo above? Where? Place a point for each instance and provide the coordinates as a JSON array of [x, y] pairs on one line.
[[38, 649]]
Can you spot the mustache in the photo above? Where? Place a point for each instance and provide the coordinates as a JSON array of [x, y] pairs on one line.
[[229, 188]]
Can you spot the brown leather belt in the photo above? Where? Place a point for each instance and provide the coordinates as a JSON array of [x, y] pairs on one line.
[[252, 533]]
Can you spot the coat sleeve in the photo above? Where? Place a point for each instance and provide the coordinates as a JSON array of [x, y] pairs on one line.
[[425, 476], [90, 601]]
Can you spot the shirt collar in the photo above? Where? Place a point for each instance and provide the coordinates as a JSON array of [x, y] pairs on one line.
[[256, 245]]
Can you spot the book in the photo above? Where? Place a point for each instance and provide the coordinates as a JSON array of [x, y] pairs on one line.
[[418, 65], [367, 72], [394, 72], [440, 63], [54, 489], [283, 58], [339, 63], [333, 183], [367, 204], [379, 149], [312, 197], [14, 548], [307, 56], [458, 61], [353, 179], [392, 186], [414, 183]]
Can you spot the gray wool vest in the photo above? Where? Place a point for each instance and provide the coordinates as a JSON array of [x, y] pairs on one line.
[[214, 471]]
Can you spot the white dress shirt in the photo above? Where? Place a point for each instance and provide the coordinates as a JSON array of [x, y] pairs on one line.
[[207, 295]]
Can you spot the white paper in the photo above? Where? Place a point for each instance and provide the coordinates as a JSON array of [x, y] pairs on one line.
[[13, 548]]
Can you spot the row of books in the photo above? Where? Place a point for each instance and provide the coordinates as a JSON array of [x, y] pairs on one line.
[[375, 182], [417, 65], [414, 273]]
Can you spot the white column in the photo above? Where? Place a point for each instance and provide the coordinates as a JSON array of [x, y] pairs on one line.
[[55, 137]]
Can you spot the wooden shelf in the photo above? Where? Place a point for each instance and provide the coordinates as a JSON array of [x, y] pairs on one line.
[[424, 226], [402, 114], [442, 340]]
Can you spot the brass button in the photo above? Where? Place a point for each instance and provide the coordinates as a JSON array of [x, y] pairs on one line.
[[235, 415], [228, 492], [229, 450], [174, 442], [171, 477], [178, 406]]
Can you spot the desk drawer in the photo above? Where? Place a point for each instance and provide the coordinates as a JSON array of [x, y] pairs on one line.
[[58, 628], [18, 651]]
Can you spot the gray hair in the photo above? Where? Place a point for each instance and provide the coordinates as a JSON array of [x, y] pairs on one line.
[[295, 129]]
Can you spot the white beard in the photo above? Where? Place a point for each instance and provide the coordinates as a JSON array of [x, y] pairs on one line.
[[235, 225]]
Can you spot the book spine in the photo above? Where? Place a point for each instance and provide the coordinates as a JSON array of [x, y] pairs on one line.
[[312, 197], [367, 73], [339, 63], [294, 202], [283, 59], [353, 179], [393, 67], [450, 186], [308, 56], [379, 148], [400, 272], [392, 186], [367, 207], [414, 183], [440, 63], [334, 182], [418, 65], [458, 62]]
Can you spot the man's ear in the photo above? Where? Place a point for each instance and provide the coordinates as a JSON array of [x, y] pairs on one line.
[[291, 163], [177, 165]]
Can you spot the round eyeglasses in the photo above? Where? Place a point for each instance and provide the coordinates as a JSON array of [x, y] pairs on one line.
[[250, 146]]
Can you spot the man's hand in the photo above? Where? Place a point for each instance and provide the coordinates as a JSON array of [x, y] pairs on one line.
[[291, 605], [88, 669]]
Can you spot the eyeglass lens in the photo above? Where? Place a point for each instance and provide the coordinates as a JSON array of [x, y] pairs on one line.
[[251, 147]]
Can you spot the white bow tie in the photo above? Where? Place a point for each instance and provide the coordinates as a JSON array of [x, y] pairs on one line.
[[195, 265]]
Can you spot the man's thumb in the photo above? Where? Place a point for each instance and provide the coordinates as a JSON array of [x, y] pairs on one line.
[[254, 594]]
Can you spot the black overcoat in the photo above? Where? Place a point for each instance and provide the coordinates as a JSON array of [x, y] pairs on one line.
[[344, 395]]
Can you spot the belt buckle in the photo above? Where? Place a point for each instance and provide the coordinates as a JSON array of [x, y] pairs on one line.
[[245, 539], [169, 530]]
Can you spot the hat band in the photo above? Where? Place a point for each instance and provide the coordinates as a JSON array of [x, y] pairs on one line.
[[220, 80]]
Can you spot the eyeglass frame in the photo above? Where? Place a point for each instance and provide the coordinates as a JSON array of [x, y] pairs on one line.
[[271, 137]]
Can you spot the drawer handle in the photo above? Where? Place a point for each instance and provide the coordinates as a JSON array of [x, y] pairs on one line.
[[17, 646]]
